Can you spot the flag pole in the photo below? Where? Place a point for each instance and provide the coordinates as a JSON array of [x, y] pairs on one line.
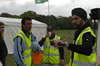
[[48, 13]]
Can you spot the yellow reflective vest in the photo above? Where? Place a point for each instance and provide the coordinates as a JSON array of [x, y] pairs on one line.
[[28, 49], [80, 59], [51, 53]]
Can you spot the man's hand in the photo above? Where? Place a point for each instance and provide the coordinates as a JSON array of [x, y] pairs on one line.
[[56, 43], [62, 62], [66, 42], [47, 35]]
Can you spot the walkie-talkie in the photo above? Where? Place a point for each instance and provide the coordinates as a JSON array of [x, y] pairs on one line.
[[61, 44]]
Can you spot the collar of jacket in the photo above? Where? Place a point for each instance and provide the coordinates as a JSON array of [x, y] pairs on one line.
[[27, 34], [81, 29], [52, 36], [1, 37]]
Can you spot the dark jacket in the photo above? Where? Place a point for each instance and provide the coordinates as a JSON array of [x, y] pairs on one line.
[[86, 47], [61, 49], [3, 50]]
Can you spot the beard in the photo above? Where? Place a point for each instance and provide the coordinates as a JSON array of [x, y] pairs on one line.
[[77, 26]]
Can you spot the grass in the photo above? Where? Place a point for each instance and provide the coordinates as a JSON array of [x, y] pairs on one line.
[[64, 34]]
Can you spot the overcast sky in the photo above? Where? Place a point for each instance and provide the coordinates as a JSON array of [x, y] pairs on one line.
[[57, 7]]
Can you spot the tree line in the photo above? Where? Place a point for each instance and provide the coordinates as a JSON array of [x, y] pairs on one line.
[[57, 22]]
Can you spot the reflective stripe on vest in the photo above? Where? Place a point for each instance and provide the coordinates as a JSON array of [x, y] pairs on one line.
[[51, 47], [27, 43], [81, 37], [27, 56], [25, 47], [93, 50], [83, 63], [51, 53], [81, 59]]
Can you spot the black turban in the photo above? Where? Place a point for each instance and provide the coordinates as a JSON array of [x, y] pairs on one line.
[[80, 12]]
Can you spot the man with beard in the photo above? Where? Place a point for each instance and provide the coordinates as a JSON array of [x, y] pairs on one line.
[[84, 45]]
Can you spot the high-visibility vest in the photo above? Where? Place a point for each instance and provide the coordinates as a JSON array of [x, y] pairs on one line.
[[51, 53], [80, 59], [27, 47]]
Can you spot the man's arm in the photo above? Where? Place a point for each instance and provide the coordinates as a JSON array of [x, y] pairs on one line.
[[86, 47], [18, 56], [41, 42], [61, 50]]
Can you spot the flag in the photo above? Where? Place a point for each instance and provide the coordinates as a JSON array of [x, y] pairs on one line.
[[40, 1]]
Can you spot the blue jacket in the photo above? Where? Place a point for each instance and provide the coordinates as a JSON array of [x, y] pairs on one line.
[[19, 48]]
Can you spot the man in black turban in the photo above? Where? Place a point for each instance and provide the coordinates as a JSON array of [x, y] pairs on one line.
[[84, 44], [79, 17]]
